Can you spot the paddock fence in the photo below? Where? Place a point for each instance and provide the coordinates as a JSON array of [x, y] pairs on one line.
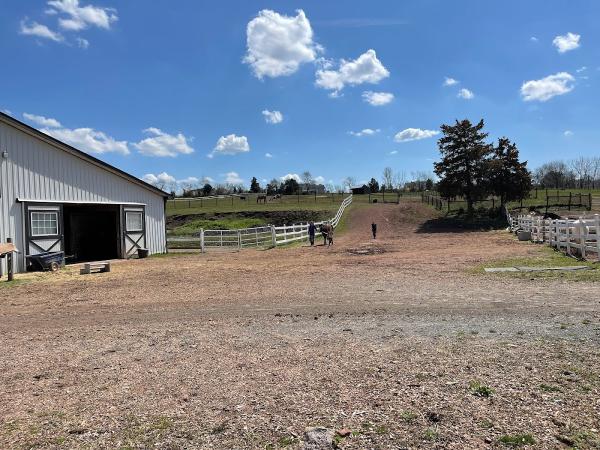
[[576, 237], [267, 236]]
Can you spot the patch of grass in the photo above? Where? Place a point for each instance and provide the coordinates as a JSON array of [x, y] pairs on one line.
[[584, 439], [286, 441], [9, 284], [487, 424], [549, 388], [430, 434], [544, 256], [381, 429], [480, 390], [408, 416], [233, 223], [516, 440]]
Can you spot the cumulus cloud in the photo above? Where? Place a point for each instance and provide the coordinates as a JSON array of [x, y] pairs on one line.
[[364, 132], [377, 98], [394, 152], [466, 94], [163, 144], [289, 176], [414, 134], [88, 140], [39, 30], [233, 178], [548, 87], [364, 69], [78, 17], [319, 180], [161, 181], [567, 42], [568, 133], [268, 155], [279, 44], [450, 81], [83, 43], [42, 121], [272, 117], [230, 145]]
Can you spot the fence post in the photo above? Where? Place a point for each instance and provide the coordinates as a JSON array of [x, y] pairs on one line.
[[239, 235], [202, 240], [597, 216], [589, 208], [273, 235], [9, 262], [570, 198]]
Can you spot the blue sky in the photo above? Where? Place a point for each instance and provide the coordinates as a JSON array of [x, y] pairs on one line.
[[180, 87]]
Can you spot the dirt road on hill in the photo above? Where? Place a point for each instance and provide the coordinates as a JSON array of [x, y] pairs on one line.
[[384, 337]]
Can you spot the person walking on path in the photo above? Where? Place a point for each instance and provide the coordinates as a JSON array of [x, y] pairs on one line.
[[374, 230], [311, 233]]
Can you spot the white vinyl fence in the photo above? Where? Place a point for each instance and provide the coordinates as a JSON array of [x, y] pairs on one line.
[[268, 236], [576, 237]]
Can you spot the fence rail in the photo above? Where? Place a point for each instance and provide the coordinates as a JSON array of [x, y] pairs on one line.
[[576, 237], [268, 236]]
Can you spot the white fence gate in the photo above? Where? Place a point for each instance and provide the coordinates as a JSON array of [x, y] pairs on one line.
[[576, 237]]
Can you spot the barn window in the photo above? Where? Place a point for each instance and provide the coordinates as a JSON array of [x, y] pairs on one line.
[[44, 223], [134, 221]]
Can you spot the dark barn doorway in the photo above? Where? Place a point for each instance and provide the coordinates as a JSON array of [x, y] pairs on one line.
[[91, 232]]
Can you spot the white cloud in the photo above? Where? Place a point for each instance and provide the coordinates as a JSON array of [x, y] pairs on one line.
[[466, 94], [162, 180], [568, 133], [319, 180], [88, 139], [272, 117], [83, 43], [207, 180], [279, 44], [581, 69], [231, 145], [42, 121], [567, 42], [364, 69], [81, 17], [268, 155], [414, 134], [294, 176], [163, 144], [41, 31], [548, 87], [533, 39], [377, 98], [233, 178], [189, 180], [364, 132], [394, 152], [450, 81]]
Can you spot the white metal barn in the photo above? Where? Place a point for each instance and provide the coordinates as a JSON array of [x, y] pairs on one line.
[[54, 197]]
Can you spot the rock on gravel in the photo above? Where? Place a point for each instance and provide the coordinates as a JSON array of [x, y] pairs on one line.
[[318, 438]]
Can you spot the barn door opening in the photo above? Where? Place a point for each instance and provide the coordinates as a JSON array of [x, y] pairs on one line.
[[133, 221], [91, 232]]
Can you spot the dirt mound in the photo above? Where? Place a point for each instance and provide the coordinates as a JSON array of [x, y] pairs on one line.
[[365, 251]]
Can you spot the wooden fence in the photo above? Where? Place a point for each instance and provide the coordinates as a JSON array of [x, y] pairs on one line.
[[576, 237], [268, 236]]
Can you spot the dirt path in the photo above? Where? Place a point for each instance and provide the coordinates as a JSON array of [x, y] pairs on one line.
[[245, 350]]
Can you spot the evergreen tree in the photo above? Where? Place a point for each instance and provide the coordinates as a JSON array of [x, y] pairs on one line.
[[509, 178], [463, 168], [290, 186], [207, 189], [373, 186], [254, 186]]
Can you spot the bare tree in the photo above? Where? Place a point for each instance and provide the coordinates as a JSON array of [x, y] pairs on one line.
[[399, 180], [349, 182], [307, 178], [388, 178]]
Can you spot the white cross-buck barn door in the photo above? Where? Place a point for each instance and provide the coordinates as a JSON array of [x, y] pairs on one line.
[[133, 220], [44, 229]]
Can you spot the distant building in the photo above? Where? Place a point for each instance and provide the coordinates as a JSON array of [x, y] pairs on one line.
[[358, 190]]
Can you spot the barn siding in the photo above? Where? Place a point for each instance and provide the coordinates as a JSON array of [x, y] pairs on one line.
[[37, 170]]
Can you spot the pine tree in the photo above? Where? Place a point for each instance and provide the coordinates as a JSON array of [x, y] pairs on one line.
[[254, 186], [463, 168], [373, 186], [508, 177]]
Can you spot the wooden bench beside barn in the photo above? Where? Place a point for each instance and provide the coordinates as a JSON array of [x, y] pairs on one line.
[[97, 267]]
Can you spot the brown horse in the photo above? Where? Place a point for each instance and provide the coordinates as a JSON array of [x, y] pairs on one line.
[[261, 198], [327, 232]]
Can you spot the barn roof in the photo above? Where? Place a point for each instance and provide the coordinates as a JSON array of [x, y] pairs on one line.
[[11, 121]]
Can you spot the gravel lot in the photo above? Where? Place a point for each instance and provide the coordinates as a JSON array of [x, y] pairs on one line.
[[393, 339]]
